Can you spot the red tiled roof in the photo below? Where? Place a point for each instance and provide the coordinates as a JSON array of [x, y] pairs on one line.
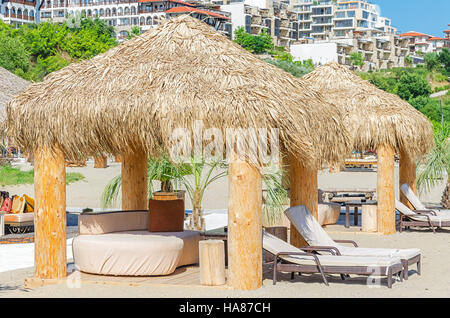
[[435, 38], [447, 31], [413, 33], [190, 9], [175, 1]]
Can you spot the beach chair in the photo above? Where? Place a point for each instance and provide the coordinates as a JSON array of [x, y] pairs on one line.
[[316, 236], [291, 259], [421, 218], [417, 205]]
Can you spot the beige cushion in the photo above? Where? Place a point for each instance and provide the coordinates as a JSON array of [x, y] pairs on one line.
[[274, 245], [315, 235], [439, 218], [109, 222], [135, 253], [19, 217]]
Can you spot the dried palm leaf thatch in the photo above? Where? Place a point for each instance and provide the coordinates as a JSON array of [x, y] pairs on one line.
[[373, 116], [10, 86], [135, 95]]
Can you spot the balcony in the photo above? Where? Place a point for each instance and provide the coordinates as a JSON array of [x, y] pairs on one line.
[[27, 3]]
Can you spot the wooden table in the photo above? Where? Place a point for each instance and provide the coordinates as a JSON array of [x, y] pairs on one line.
[[355, 204]]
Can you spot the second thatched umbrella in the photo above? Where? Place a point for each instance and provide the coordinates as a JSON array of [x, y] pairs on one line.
[[10, 86], [133, 98], [378, 120]]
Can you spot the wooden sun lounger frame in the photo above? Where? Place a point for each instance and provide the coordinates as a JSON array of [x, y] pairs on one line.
[[405, 221], [281, 265]]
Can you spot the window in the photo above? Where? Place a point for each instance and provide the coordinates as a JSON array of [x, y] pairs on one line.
[[344, 24]]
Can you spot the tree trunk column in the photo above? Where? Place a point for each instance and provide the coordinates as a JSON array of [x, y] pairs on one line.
[[385, 190], [407, 175], [134, 181], [50, 213], [244, 226], [304, 191]]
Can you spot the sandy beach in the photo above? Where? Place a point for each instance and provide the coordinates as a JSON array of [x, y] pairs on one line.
[[434, 281]]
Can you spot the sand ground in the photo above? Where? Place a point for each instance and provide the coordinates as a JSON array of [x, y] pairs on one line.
[[434, 281]]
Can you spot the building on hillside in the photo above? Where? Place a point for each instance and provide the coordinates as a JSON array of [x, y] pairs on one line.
[[123, 15], [324, 19], [19, 12], [381, 52], [257, 16]]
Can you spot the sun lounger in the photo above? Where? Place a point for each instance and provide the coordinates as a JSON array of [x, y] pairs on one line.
[[316, 236], [422, 218], [417, 205], [288, 258]]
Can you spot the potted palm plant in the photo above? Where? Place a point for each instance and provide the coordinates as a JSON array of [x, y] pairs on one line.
[[158, 169]]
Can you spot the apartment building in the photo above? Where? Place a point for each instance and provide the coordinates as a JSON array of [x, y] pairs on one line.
[[378, 52], [18, 12], [257, 16], [123, 15], [420, 43], [323, 19]]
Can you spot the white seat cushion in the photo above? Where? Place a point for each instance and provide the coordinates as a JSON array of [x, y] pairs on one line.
[[135, 253], [315, 235]]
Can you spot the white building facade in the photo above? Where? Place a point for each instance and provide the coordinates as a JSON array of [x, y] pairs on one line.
[[19, 12]]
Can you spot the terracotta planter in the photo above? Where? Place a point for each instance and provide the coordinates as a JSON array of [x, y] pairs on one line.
[[165, 196]]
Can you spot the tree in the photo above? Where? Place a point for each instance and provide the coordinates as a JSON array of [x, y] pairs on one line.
[[257, 44], [436, 164], [357, 59], [444, 59], [411, 85], [432, 61], [13, 55]]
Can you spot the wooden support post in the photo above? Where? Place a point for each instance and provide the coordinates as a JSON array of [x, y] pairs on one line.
[[304, 191], [244, 226], [100, 162], [212, 262], [50, 213], [134, 181], [407, 175], [385, 190]]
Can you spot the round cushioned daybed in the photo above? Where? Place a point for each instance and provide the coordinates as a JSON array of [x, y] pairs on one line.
[[118, 243]]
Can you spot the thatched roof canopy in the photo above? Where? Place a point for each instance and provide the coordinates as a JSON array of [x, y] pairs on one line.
[[10, 86], [136, 94], [372, 115]]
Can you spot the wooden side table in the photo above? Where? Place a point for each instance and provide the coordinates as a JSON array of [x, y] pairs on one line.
[[355, 205], [218, 234]]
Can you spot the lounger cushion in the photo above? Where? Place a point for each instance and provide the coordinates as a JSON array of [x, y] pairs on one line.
[[315, 235], [308, 227], [412, 198], [439, 218], [135, 253], [274, 245], [406, 253], [19, 217]]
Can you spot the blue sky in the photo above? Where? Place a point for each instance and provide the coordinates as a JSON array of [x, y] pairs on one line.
[[426, 16]]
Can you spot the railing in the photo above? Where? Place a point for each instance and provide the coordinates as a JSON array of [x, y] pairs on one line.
[[152, 10], [104, 2]]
